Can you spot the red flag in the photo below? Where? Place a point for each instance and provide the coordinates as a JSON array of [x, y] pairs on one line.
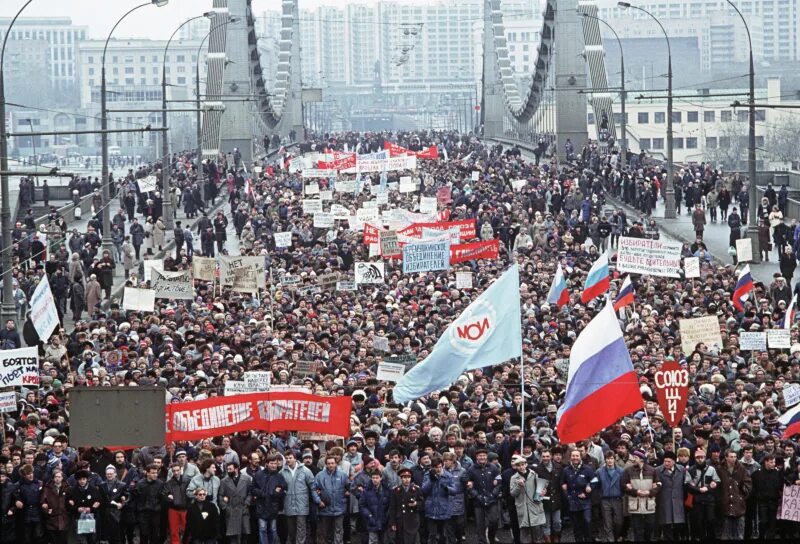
[[396, 150], [428, 153], [341, 161], [460, 253], [672, 388]]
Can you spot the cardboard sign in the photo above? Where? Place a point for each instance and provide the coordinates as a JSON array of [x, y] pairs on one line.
[[791, 394], [257, 381], [328, 282], [779, 338], [283, 239], [173, 285], [697, 330], [381, 343], [691, 267], [790, 503], [390, 372], [311, 206], [345, 285], [8, 402], [370, 273], [672, 389], [139, 300], [203, 268], [753, 341], [744, 250], [306, 367], [244, 274], [390, 246], [19, 367], [463, 280]]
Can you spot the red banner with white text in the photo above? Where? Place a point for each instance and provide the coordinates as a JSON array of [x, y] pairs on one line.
[[431, 153], [268, 412], [341, 161], [396, 150], [371, 234], [476, 250], [465, 226]]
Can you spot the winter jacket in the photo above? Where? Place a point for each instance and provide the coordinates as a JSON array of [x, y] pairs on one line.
[[176, 487], [576, 479], [234, 502], [373, 505], [268, 496], [28, 493], [735, 487], [56, 517], [330, 488], [485, 483], [149, 495], [457, 499], [437, 491], [768, 486], [610, 481], [298, 490], [530, 509]]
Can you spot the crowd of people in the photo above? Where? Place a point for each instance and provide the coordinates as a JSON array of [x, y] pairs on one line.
[[461, 464]]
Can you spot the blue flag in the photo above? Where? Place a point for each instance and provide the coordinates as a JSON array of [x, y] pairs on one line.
[[384, 179], [488, 332]]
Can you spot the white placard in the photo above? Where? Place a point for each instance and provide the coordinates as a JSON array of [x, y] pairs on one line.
[[283, 239], [370, 205], [652, 257], [381, 343], [326, 195], [408, 186], [19, 367], [427, 204], [463, 280], [311, 206], [235, 387], [370, 272], [382, 198], [44, 314], [8, 402], [518, 184], [173, 285], [475, 175], [323, 220], [391, 164], [691, 267], [257, 380], [139, 300], [779, 338], [339, 211], [791, 394], [149, 266], [148, 184], [346, 285], [375, 250], [243, 274], [454, 234], [753, 341], [312, 188], [368, 215], [345, 186], [744, 250], [390, 372], [697, 330]]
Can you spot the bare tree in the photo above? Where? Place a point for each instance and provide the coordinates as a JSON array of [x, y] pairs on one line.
[[731, 145], [782, 139]]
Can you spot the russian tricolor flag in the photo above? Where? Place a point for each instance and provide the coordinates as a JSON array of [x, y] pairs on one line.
[[743, 287], [792, 421], [598, 281], [601, 385], [625, 295], [789, 317], [558, 291]]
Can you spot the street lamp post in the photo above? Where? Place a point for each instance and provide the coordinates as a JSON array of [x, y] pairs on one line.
[[7, 310], [752, 190], [669, 196], [104, 126], [166, 161], [623, 145]]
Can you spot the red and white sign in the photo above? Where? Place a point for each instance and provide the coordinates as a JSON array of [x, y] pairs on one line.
[[371, 234], [396, 150], [465, 226], [475, 250], [431, 153], [268, 412], [341, 161], [672, 389]]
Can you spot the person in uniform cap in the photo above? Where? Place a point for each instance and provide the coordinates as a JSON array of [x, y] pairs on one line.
[[405, 504]]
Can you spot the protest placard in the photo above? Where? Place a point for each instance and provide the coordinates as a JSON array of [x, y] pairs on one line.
[[312, 188], [518, 184], [19, 367], [427, 204], [326, 195], [304, 436], [327, 282], [235, 387], [407, 359], [311, 206], [148, 184], [753, 341], [370, 205], [453, 232], [691, 267], [306, 367], [382, 198], [365, 215], [409, 185], [652, 257], [744, 250], [140, 300], [425, 256], [339, 211], [390, 372], [44, 314], [475, 175], [390, 247], [790, 503], [291, 280], [381, 343], [347, 285], [369, 273], [444, 195], [392, 164], [700, 330], [779, 338], [244, 274], [204, 268], [8, 402], [173, 285], [257, 381], [791, 394], [150, 265], [283, 239], [463, 280], [323, 220], [345, 186]]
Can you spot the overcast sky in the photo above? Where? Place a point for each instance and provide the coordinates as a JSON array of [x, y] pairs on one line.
[[148, 22]]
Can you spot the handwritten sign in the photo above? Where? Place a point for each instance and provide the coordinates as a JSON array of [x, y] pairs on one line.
[[672, 389], [139, 300], [779, 338], [699, 330], [390, 372], [791, 394], [8, 401], [244, 274], [691, 267], [463, 280], [381, 343], [19, 367], [744, 250], [44, 314], [306, 367], [790, 503], [283, 239], [323, 220], [369, 273], [173, 285], [390, 246], [653, 257], [427, 204], [753, 341], [204, 268], [346, 285], [312, 206], [257, 381]]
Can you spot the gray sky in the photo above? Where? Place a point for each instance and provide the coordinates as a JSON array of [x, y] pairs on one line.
[[147, 22]]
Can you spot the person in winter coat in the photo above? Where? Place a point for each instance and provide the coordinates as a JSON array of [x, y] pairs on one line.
[[83, 499], [405, 502], [159, 234], [296, 504], [331, 491], [207, 478], [457, 475], [137, 236], [703, 485], [527, 487], [248, 237], [735, 484], [8, 511], [609, 479], [27, 503], [234, 502], [670, 511], [220, 226], [202, 519], [699, 221], [483, 485], [269, 490], [576, 483], [149, 494], [437, 488], [54, 508], [373, 506], [641, 485], [115, 496], [767, 489], [177, 502]]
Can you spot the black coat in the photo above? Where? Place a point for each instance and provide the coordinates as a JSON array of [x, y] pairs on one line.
[[199, 526], [405, 507]]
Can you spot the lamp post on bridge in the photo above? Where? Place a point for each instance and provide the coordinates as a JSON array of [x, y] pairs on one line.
[[752, 190], [7, 310], [104, 125], [623, 141], [669, 195]]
